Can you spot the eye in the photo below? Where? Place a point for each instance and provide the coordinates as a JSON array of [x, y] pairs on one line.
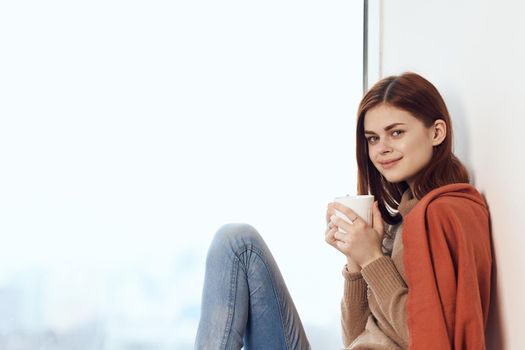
[[371, 139], [399, 132]]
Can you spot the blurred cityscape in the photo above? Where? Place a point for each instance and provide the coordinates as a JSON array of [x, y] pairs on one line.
[[143, 306]]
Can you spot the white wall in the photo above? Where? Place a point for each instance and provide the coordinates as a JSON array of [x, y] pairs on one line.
[[474, 53]]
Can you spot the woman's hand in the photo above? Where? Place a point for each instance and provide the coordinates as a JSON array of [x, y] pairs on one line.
[[360, 242], [331, 229]]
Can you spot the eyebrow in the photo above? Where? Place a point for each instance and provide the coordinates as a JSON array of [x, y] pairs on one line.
[[386, 129]]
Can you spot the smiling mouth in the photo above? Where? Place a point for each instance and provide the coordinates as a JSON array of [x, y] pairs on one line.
[[390, 164]]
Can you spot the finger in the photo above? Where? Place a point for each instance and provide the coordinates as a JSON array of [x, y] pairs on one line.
[[342, 223], [341, 246], [350, 214], [329, 225], [329, 237], [329, 211], [341, 236], [337, 244]]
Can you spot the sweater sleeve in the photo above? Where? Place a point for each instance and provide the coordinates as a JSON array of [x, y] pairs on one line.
[[391, 293], [354, 306]]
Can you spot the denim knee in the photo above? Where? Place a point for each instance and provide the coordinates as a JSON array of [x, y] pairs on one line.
[[236, 236]]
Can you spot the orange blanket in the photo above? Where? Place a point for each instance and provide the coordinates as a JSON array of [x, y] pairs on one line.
[[448, 261]]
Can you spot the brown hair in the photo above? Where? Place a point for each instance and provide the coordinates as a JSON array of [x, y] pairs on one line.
[[416, 95]]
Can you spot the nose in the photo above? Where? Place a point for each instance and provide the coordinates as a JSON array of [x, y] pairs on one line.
[[384, 147]]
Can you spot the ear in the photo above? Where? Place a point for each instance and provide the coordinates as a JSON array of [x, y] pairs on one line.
[[439, 130]]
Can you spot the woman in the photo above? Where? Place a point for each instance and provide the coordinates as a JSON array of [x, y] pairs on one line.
[[418, 277]]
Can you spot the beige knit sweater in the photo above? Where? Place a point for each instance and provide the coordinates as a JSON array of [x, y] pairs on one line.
[[373, 305]]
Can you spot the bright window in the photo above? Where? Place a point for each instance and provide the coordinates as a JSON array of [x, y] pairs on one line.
[[130, 131]]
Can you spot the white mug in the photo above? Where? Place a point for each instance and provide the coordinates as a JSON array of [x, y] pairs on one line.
[[361, 205]]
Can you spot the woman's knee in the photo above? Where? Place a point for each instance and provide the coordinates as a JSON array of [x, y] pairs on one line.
[[235, 236]]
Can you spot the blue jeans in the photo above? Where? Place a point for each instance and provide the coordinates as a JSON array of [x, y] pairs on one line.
[[245, 301]]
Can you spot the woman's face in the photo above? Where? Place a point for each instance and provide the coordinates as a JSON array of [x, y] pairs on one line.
[[396, 135]]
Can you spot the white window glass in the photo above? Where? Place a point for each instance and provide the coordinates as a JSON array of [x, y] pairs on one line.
[[130, 131]]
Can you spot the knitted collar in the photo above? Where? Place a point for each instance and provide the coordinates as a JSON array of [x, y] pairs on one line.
[[408, 201]]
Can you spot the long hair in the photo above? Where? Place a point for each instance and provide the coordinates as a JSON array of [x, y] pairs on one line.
[[416, 95]]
